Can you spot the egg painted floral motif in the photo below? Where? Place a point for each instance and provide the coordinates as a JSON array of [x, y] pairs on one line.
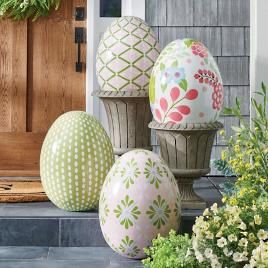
[[128, 247], [172, 109], [159, 212], [181, 89], [199, 49], [172, 74], [104, 210], [130, 172], [153, 173], [209, 77], [150, 205], [127, 212]]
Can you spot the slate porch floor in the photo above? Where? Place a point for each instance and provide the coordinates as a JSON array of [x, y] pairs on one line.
[[44, 225], [71, 257], [39, 235]]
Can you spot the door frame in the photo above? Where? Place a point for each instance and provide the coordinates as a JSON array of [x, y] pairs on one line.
[[129, 8]]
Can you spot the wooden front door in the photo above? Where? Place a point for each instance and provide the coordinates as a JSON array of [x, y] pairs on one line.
[[38, 82]]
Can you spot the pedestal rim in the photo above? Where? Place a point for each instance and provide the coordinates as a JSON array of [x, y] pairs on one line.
[[186, 126], [120, 94]]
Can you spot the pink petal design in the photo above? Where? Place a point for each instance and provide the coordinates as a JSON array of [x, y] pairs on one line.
[[158, 114], [184, 109], [174, 93], [163, 104], [191, 94], [177, 117]]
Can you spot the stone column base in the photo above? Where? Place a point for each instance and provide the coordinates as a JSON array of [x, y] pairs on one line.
[[186, 148], [128, 115]]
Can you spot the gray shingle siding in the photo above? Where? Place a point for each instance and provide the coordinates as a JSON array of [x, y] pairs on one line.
[[223, 26]]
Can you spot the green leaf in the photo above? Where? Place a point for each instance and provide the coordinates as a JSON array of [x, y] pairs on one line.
[[163, 87], [175, 64], [162, 67], [189, 42], [183, 84]]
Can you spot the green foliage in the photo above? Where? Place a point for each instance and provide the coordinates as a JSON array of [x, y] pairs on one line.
[[247, 153], [24, 9], [223, 167], [227, 187], [173, 251]]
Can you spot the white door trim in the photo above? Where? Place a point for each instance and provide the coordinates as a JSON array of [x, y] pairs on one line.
[[94, 23], [258, 45]]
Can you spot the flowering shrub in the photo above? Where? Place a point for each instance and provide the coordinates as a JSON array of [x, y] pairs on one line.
[[228, 236], [247, 153], [172, 252]]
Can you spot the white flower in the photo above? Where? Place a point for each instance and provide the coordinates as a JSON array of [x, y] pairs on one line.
[[214, 208], [257, 219], [243, 242], [206, 212], [208, 253], [232, 237], [262, 235], [242, 226], [216, 264], [199, 256], [209, 235], [237, 257], [221, 242], [227, 253]]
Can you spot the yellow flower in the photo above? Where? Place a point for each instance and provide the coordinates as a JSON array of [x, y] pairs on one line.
[[223, 155], [222, 132]]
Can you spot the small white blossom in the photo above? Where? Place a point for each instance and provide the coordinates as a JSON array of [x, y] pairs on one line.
[[222, 242]]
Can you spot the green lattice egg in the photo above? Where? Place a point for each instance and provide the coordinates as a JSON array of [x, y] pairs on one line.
[[126, 55], [75, 158]]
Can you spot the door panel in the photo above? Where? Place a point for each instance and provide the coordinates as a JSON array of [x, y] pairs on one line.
[[38, 83], [13, 74]]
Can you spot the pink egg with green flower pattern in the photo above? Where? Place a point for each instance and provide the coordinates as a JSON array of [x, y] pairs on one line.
[[186, 85], [139, 199]]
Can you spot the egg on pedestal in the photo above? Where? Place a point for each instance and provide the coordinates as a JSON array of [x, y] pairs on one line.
[[126, 55], [186, 85]]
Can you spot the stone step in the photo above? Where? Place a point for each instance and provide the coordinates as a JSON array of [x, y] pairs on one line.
[[43, 224], [51, 257]]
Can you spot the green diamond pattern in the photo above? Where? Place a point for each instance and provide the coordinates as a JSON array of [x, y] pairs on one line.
[[126, 55]]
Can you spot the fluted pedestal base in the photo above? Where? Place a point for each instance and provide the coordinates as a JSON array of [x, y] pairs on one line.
[[128, 115], [187, 150]]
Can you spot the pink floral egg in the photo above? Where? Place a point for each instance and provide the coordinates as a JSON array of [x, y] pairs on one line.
[[186, 85], [126, 55], [139, 199]]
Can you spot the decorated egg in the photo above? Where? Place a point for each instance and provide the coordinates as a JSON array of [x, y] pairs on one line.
[[126, 55], [75, 158], [186, 85], [139, 199]]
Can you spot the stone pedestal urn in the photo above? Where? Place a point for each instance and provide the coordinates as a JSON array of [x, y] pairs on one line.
[[187, 150], [128, 115]]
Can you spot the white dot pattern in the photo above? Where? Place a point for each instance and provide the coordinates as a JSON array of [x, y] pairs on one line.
[[75, 158]]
